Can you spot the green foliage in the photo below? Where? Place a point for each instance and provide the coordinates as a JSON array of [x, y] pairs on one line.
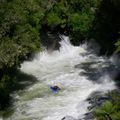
[[80, 22], [57, 15], [107, 109], [116, 116], [110, 109], [19, 31], [20, 22], [53, 19], [9, 52], [73, 17]]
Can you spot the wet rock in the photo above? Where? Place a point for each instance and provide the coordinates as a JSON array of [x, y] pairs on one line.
[[97, 100], [50, 40], [117, 80], [68, 118], [78, 66], [117, 91], [89, 116]]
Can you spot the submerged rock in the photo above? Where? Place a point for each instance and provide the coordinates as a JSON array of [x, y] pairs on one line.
[[68, 118]]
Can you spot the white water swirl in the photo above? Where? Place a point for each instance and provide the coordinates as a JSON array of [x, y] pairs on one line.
[[38, 102]]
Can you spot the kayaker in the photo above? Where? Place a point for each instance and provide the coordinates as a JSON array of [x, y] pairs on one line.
[[55, 88]]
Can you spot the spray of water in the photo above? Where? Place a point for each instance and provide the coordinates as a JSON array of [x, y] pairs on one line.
[[78, 71]]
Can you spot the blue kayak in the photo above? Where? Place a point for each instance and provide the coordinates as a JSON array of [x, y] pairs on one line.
[[55, 88]]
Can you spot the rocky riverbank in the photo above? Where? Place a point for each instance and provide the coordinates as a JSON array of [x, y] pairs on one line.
[[95, 100]]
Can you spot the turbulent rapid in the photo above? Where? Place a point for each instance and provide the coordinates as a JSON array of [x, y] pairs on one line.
[[79, 72]]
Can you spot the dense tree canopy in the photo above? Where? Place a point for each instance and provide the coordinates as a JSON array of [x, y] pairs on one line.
[[106, 25]]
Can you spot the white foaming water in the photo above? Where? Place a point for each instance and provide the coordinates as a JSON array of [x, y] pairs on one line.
[[38, 102]]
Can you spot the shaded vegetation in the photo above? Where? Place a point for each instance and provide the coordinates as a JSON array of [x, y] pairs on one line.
[[19, 37], [106, 26], [110, 110]]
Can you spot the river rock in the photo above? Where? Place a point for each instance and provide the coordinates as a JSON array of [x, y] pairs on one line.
[[96, 99], [68, 118], [89, 116]]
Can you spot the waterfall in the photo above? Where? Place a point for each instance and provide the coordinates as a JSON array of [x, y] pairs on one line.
[[79, 72]]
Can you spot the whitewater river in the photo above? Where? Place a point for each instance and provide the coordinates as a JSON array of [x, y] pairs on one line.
[[77, 70]]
